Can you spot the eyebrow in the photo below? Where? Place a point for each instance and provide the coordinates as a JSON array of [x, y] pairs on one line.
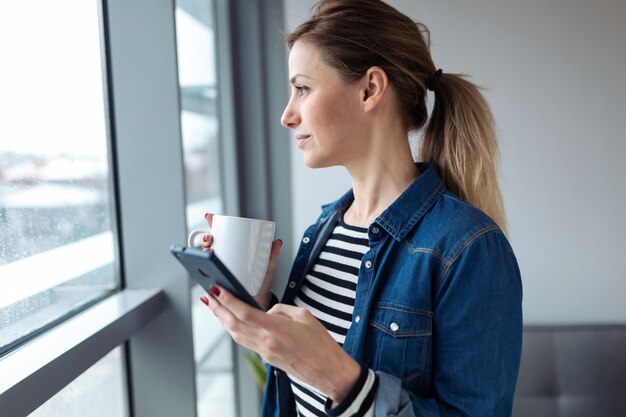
[[293, 79]]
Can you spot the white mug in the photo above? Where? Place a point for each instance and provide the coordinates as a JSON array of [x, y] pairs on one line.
[[243, 245]]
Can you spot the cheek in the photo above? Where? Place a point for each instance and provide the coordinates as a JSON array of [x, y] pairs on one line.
[[334, 112]]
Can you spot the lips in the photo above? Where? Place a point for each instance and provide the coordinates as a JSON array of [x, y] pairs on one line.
[[302, 139]]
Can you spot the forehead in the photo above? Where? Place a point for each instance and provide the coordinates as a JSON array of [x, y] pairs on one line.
[[305, 59]]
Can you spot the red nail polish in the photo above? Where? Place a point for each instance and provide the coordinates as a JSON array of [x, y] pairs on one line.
[[205, 238], [215, 291], [204, 300]]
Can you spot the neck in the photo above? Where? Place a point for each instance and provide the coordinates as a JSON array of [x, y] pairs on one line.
[[379, 178]]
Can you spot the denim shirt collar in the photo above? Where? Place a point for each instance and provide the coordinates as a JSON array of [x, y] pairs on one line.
[[400, 217]]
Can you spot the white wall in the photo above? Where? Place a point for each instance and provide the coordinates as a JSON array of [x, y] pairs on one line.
[[556, 78]]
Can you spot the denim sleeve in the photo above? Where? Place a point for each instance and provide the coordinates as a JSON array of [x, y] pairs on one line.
[[477, 337]]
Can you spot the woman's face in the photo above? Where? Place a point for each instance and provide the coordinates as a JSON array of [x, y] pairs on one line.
[[324, 111]]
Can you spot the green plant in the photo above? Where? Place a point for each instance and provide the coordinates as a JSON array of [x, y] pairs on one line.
[[258, 369]]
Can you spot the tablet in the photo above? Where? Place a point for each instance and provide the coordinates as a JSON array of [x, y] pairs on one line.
[[206, 269]]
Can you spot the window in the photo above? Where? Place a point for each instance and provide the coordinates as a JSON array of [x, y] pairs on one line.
[[196, 44], [57, 251], [59, 238], [199, 108], [99, 392]]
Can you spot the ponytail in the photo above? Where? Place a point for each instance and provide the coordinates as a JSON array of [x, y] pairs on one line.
[[460, 140]]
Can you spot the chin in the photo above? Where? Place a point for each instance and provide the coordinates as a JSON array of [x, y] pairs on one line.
[[313, 162]]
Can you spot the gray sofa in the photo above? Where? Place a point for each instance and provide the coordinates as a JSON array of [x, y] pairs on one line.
[[572, 371]]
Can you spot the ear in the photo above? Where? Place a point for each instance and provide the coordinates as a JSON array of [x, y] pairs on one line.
[[375, 83]]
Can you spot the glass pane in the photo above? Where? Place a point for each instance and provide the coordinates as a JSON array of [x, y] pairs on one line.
[[100, 391], [213, 351], [200, 128], [199, 116], [56, 244]]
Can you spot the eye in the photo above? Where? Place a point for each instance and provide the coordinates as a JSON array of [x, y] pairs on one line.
[[301, 89]]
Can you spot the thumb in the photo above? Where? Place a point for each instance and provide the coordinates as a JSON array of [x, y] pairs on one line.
[[209, 219], [275, 251], [285, 310]]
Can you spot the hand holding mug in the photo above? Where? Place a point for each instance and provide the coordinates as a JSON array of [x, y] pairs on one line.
[[206, 239], [246, 247]]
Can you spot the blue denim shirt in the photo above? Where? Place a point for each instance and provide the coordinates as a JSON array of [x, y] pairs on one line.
[[437, 312]]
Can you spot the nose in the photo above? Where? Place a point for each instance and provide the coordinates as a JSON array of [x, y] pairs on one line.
[[290, 118]]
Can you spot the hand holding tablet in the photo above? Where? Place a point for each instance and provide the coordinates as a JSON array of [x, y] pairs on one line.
[[238, 258], [207, 270]]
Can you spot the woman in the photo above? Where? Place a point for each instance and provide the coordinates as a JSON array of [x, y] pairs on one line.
[[405, 296]]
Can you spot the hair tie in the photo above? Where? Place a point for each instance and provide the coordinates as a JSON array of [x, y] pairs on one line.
[[434, 80]]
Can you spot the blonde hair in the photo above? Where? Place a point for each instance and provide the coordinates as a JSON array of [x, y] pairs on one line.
[[459, 138]]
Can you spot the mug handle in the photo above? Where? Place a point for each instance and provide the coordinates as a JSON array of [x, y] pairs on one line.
[[194, 233]]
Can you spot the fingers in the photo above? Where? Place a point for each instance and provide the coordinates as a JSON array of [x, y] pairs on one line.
[[296, 313], [238, 309], [264, 296], [284, 309], [206, 241], [276, 246], [240, 329]]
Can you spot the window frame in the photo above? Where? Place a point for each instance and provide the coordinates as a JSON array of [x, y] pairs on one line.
[[145, 150], [114, 231], [37, 371], [139, 64]]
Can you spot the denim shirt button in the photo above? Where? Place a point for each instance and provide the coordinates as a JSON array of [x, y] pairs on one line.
[[368, 264], [394, 327], [357, 319], [292, 284], [375, 230], [306, 239]]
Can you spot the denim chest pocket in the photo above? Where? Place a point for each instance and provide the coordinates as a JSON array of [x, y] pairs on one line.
[[398, 340]]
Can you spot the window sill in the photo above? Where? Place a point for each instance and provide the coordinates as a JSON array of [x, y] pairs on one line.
[[36, 371]]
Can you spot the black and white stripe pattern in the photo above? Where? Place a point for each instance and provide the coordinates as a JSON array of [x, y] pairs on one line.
[[329, 289], [328, 292]]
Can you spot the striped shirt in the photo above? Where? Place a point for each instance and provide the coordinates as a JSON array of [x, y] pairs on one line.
[[328, 292]]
